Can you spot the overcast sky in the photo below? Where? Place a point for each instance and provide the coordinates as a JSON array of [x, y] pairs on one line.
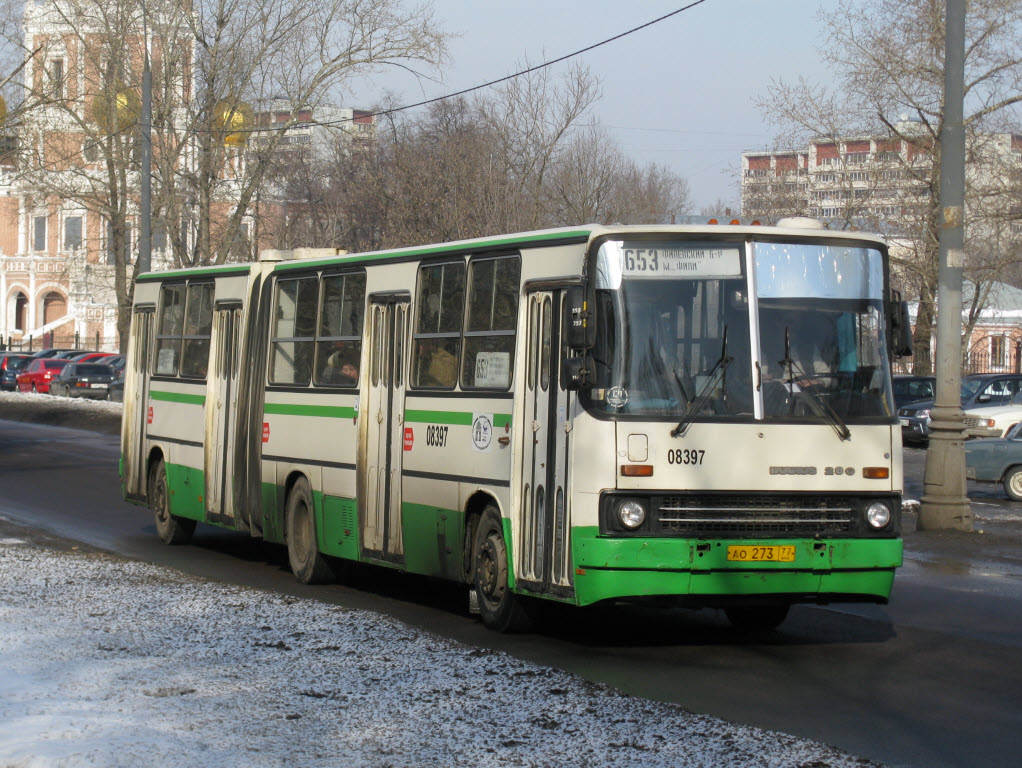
[[679, 92]]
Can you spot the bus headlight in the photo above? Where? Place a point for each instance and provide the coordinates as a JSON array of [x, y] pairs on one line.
[[878, 515], [631, 514]]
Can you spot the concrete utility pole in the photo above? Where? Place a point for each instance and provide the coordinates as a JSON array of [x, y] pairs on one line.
[[145, 247], [945, 503]]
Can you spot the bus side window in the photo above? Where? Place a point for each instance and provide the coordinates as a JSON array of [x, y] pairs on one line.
[[439, 317], [294, 328], [171, 325], [492, 319]]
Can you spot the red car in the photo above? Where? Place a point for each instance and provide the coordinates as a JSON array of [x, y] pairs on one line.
[[37, 374], [93, 357]]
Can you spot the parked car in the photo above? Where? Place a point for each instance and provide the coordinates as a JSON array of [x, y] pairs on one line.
[[10, 364], [90, 380], [997, 460], [53, 352], [115, 393], [69, 354], [911, 389], [993, 422], [36, 376], [116, 362], [92, 357], [980, 390]]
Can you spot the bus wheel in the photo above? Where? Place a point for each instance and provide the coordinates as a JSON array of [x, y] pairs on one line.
[[171, 528], [308, 564], [498, 607], [1013, 483], [759, 618]]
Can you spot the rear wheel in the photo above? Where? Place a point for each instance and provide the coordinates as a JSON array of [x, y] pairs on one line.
[[1013, 483], [759, 618], [499, 608], [171, 528], [309, 565]]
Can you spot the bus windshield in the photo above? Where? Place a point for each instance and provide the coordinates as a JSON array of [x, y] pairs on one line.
[[681, 334]]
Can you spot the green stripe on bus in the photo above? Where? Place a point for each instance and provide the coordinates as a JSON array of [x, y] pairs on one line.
[[356, 258], [324, 411], [177, 397], [454, 418]]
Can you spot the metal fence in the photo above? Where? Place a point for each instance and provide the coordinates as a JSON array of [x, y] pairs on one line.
[[76, 340], [975, 361]]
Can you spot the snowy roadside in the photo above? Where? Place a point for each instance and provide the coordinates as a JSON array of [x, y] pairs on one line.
[[108, 662], [79, 413]]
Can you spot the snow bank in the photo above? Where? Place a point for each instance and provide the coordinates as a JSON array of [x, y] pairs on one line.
[[105, 662]]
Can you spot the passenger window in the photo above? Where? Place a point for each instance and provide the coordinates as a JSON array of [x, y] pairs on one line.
[[198, 327], [168, 334], [492, 319], [294, 331], [339, 336], [440, 313]]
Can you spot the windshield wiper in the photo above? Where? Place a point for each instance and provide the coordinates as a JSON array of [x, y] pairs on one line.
[[719, 371], [817, 404]]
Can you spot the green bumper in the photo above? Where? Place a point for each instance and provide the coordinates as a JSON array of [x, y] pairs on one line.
[[823, 570]]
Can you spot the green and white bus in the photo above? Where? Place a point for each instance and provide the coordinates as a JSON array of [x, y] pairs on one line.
[[579, 415]]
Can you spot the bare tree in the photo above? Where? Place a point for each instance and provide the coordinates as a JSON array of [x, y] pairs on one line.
[[888, 55]]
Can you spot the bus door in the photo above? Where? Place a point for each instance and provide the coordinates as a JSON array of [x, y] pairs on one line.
[[221, 412], [136, 404], [381, 469], [544, 554]]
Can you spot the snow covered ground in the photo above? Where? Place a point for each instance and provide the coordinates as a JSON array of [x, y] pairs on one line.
[[108, 662]]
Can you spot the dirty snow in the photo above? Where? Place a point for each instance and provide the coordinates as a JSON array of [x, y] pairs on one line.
[[107, 662]]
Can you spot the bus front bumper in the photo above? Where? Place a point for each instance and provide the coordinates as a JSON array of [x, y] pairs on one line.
[[824, 570]]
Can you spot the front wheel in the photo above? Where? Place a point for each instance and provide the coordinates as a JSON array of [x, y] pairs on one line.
[[1013, 483], [308, 564], [498, 607], [171, 528]]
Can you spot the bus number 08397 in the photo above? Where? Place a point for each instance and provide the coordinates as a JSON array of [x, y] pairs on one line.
[[685, 456]]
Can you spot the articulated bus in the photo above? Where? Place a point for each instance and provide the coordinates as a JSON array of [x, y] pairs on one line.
[[578, 415]]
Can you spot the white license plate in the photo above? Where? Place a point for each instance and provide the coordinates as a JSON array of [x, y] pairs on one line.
[[97, 386], [904, 422]]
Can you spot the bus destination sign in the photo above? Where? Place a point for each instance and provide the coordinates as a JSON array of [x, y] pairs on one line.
[[657, 260]]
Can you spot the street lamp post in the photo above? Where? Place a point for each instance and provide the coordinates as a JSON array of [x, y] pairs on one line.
[[945, 503]]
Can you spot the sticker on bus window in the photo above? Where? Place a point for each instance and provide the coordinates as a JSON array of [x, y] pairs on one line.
[[656, 260], [493, 369]]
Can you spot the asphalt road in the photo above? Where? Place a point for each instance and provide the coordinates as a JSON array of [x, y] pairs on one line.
[[933, 679]]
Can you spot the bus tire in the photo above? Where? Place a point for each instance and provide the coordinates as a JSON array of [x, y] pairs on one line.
[[757, 618], [308, 564], [1013, 483], [171, 528], [499, 608]]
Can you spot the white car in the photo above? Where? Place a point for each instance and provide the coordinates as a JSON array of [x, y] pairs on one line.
[[992, 422]]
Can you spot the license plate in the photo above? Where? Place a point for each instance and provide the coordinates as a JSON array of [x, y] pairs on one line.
[[98, 386], [766, 554], [904, 422]]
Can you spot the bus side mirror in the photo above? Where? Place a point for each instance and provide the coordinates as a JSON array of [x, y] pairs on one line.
[[579, 324], [901, 327], [575, 373]]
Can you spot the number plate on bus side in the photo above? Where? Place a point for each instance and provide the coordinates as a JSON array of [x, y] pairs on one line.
[[765, 554]]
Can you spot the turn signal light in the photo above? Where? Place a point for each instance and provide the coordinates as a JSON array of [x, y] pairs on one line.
[[876, 473], [637, 470]]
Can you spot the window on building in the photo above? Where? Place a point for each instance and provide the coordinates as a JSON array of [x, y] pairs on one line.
[[856, 158], [492, 317], [72, 233], [110, 255], [441, 304], [339, 336], [38, 233], [998, 350], [56, 74], [294, 331]]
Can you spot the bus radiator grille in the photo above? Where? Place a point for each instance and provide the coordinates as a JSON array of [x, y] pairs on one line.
[[754, 515]]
